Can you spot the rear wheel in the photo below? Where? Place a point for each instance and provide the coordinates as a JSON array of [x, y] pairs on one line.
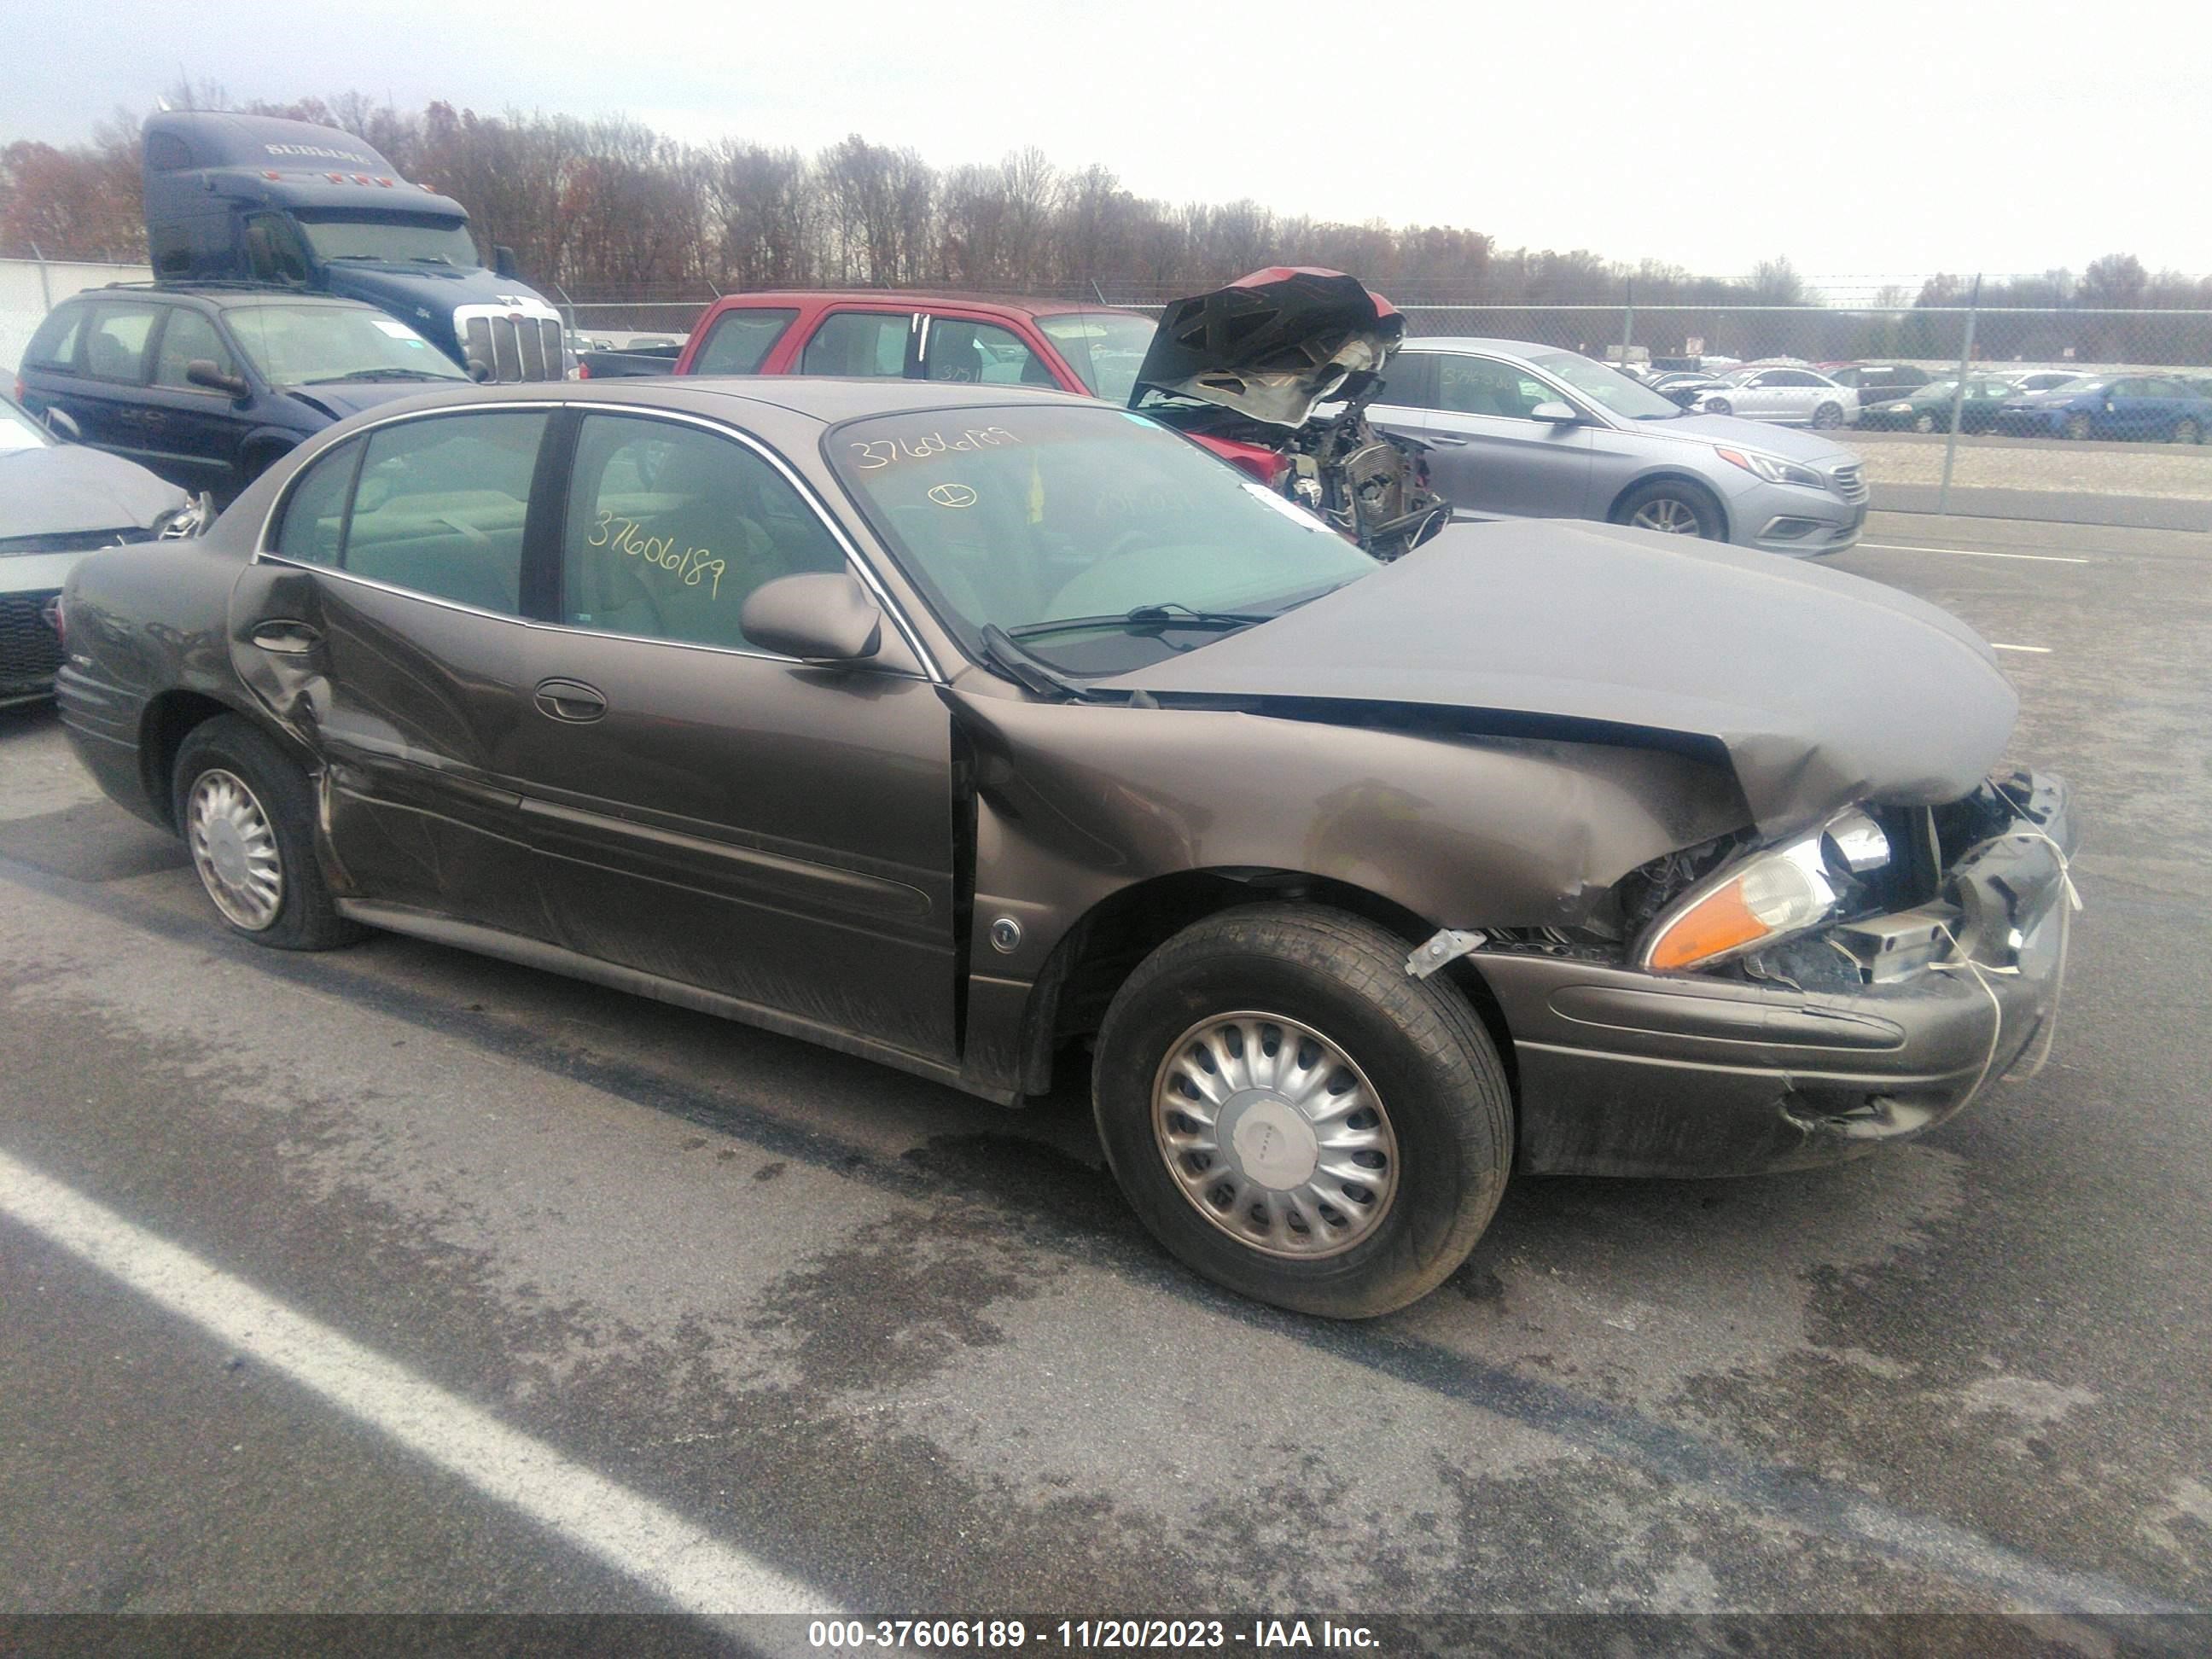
[[1673, 507], [1828, 415], [247, 813], [1295, 1117], [1719, 406]]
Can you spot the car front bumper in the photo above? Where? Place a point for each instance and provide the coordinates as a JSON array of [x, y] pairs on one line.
[[1801, 522], [1631, 1073]]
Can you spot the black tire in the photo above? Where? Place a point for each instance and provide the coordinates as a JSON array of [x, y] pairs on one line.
[[1673, 499], [1828, 417], [306, 917], [2187, 431], [2077, 426], [1440, 1091], [1718, 406]]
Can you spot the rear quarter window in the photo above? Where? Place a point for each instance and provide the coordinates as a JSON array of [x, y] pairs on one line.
[[740, 341], [54, 345]]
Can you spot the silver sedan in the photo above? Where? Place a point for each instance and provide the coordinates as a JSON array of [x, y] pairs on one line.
[[1790, 397], [1514, 430]]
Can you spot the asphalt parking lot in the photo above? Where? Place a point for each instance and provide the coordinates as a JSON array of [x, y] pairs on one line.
[[403, 1280]]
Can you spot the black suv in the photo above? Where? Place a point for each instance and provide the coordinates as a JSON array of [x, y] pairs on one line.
[[207, 386]]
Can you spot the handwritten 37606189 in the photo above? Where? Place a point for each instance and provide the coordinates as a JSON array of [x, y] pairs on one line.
[[923, 445], [690, 566]]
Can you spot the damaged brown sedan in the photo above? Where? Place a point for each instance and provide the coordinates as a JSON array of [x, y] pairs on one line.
[[990, 732]]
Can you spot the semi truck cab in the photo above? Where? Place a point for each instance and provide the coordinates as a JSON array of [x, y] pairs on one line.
[[254, 198]]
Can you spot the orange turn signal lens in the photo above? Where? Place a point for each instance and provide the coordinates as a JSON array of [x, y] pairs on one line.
[[1722, 923]]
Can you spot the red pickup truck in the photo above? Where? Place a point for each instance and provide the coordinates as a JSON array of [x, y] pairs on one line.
[[1239, 370]]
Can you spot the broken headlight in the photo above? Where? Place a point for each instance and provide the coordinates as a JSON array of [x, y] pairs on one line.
[[1766, 897]]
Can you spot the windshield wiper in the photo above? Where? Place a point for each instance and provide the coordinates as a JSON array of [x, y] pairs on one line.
[[1171, 614], [382, 374], [1027, 671]]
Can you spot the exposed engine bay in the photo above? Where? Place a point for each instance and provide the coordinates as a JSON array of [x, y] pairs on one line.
[[1250, 363]]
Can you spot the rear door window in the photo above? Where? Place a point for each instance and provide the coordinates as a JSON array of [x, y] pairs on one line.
[[440, 505], [864, 343], [740, 341], [671, 528], [115, 346]]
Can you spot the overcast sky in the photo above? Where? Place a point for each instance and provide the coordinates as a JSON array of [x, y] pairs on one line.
[[1861, 141]]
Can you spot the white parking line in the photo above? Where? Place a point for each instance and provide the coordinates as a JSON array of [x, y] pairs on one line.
[[2040, 650], [1977, 553], [655, 1547]]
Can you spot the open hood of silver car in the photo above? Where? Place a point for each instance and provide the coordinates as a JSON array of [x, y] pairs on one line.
[[1270, 346], [1818, 690]]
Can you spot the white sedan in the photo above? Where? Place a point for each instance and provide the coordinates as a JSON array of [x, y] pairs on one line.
[[1792, 396]]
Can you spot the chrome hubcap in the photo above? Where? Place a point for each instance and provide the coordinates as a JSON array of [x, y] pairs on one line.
[[235, 849], [1275, 1135], [1675, 518]]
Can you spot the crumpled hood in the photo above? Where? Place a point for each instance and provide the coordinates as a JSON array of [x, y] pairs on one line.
[[70, 489], [339, 398], [1270, 346], [1818, 689]]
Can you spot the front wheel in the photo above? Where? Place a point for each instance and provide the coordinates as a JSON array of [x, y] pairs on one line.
[[247, 812], [2077, 426], [2186, 431], [1924, 421], [1295, 1117], [1673, 508], [1719, 406]]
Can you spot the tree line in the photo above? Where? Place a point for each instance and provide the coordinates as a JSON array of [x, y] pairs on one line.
[[608, 208]]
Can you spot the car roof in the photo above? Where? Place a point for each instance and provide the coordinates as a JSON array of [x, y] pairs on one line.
[[1479, 342], [1025, 305], [812, 396], [223, 297]]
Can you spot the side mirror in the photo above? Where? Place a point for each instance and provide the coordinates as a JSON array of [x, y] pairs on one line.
[[201, 372], [1554, 413], [502, 260], [62, 425], [479, 370], [820, 616]]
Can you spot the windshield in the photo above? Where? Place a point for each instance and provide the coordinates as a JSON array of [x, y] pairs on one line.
[[300, 344], [439, 242], [1024, 517], [1104, 347], [1606, 386], [18, 430]]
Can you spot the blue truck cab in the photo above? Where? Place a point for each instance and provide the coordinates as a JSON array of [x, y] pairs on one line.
[[253, 198]]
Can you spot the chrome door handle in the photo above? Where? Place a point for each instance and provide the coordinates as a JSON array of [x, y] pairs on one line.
[[570, 702], [290, 639], [1444, 439]]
